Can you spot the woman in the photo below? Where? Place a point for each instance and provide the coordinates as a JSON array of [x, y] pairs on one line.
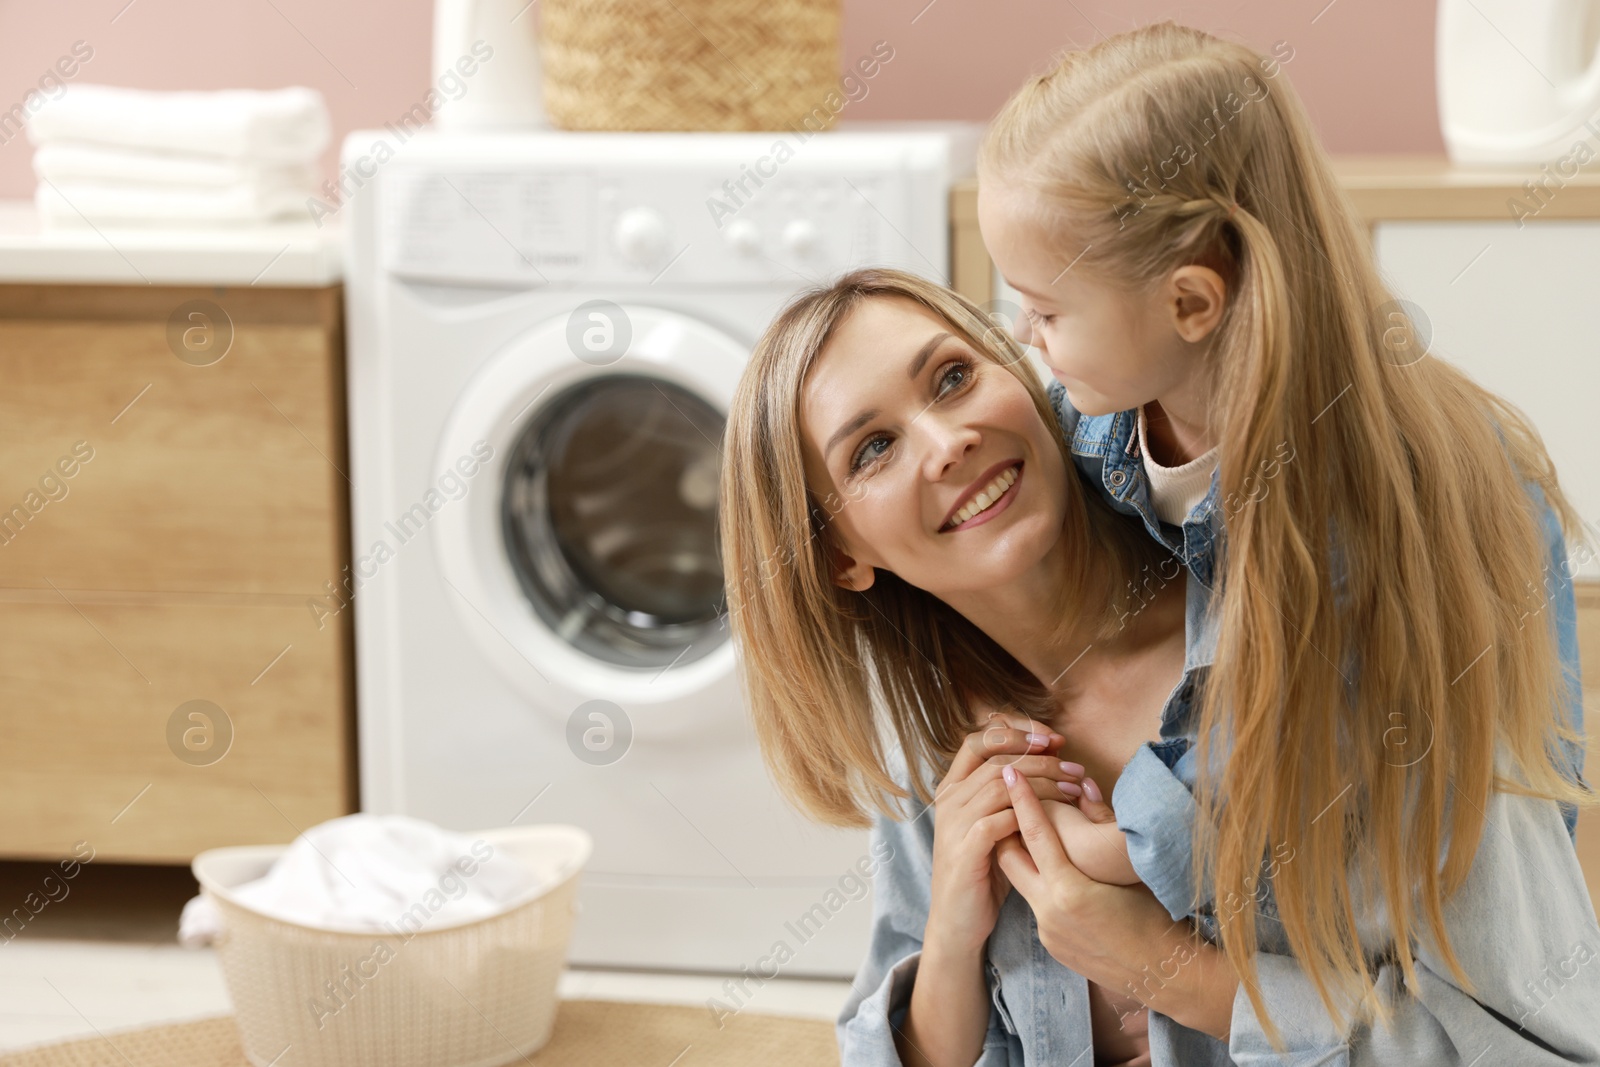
[[870, 413]]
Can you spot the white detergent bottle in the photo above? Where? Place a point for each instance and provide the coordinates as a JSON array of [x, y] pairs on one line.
[[503, 91], [1519, 80]]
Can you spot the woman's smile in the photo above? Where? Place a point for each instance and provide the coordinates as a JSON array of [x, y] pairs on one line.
[[990, 494], [956, 420]]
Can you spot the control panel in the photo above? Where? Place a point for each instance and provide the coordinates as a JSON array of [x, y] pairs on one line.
[[662, 221]]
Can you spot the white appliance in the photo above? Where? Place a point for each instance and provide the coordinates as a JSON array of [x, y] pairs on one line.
[[1519, 80], [545, 330]]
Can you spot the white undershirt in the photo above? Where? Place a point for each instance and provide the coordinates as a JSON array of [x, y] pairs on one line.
[[1174, 491]]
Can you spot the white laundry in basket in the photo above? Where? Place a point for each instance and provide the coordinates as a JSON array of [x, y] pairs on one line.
[[375, 873]]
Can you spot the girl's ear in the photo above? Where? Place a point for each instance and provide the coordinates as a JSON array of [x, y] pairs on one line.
[[1197, 296]]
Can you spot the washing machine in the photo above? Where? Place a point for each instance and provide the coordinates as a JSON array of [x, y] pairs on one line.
[[544, 333]]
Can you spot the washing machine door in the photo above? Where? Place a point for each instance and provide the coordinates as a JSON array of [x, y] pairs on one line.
[[586, 559]]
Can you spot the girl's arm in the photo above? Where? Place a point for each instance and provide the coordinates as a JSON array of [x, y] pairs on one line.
[[1564, 620], [1095, 846], [1522, 925], [1115, 936], [1523, 928]]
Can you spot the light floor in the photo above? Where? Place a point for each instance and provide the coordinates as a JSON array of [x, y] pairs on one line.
[[106, 959], [54, 990]]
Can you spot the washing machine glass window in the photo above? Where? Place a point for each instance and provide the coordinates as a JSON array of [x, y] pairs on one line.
[[610, 519]]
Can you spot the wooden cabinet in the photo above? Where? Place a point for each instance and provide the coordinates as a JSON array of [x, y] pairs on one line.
[[173, 502]]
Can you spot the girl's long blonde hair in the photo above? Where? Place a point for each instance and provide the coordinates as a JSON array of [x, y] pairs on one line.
[[817, 657], [1382, 628]]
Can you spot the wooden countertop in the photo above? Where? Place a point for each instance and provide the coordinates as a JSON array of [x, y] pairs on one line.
[[1388, 188], [1431, 187]]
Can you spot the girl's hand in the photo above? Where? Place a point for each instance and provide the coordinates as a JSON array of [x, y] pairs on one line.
[[972, 810], [1119, 937], [1086, 796], [1090, 836]]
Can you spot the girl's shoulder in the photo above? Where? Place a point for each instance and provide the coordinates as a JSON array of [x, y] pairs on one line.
[[1087, 436]]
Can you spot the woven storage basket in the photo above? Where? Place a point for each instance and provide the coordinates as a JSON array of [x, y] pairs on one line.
[[473, 994], [689, 64]]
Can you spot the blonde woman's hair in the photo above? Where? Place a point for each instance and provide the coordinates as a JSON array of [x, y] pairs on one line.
[[817, 657], [1340, 715]]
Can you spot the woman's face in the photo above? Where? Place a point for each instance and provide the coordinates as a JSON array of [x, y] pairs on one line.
[[906, 425]]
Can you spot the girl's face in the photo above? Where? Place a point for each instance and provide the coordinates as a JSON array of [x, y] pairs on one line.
[[1112, 350], [906, 430]]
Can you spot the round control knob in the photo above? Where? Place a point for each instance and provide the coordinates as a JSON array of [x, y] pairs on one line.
[[641, 235], [743, 236], [801, 237]]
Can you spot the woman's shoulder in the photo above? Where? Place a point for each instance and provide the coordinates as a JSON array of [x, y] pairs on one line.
[[899, 767]]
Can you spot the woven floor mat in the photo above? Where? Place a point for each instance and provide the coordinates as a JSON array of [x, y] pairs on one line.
[[588, 1033]]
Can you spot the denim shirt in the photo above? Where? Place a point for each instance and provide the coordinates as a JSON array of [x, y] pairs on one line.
[[1522, 925], [1105, 449]]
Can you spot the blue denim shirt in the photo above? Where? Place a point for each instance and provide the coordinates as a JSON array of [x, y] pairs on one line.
[[1523, 925], [1105, 449]]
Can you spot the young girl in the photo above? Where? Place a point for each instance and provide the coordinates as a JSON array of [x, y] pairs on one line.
[[1390, 627]]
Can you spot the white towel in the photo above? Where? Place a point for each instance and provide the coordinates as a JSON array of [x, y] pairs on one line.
[[66, 162], [69, 205], [376, 873], [282, 125]]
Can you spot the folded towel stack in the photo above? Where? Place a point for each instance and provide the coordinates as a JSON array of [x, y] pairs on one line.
[[108, 156]]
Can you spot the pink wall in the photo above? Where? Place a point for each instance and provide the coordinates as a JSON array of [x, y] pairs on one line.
[[1364, 67]]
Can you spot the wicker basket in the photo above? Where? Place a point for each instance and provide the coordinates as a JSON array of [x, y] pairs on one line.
[[472, 994], [689, 64]]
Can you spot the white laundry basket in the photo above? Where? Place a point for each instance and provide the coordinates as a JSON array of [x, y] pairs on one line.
[[470, 994]]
